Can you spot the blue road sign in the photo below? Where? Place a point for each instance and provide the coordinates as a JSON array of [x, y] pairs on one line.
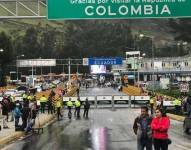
[[105, 61]]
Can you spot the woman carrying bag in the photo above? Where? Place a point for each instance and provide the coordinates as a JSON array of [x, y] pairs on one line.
[[160, 125]]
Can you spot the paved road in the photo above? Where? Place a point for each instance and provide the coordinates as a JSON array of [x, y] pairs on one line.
[[104, 130], [99, 91]]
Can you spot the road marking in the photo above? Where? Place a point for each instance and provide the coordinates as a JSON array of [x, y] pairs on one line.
[[183, 148]]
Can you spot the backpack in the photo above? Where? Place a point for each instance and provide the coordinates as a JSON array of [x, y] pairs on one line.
[[17, 112], [145, 127]]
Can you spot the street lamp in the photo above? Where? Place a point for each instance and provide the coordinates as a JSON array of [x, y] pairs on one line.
[[152, 49], [1, 50], [69, 68], [17, 65], [138, 73]]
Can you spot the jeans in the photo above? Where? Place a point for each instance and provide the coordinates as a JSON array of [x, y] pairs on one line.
[[160, 144], [144, 143], [17, 121], [86, 113], [4, 120]]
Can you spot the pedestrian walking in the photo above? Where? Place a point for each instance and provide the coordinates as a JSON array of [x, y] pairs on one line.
[[43, 101], [50, 105], [17, 115], [86, 108], [188, 106], [160, 125], [5, 111], [77, 108], [177, 104], [69, 105], [142, 128], [11, 100], [78, 91], [25, 115], [58, 106], [32, 117]]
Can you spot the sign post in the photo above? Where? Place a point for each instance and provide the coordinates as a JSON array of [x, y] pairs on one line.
[[117, 9], [103, 61], [184, 87]]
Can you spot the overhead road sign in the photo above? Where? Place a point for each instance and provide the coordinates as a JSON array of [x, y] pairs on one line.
[[36, 62], [103, 61], [117, 9]]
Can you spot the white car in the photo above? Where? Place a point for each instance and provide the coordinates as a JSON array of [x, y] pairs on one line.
[[38, 88], [11, 92]]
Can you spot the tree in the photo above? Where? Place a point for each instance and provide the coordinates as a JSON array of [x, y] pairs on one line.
[[30, 44], [96, 38], [5, 56], [182, 28]]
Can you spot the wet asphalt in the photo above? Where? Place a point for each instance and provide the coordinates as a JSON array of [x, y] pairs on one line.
[[106, 129]]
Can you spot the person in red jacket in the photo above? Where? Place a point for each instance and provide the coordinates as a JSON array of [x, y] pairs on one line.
[[160, 125]]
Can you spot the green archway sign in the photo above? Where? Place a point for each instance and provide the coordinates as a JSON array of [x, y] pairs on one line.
[[117, 9]]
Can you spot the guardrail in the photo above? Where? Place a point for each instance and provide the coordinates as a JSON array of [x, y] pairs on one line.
[[106, 100], [112, 100]]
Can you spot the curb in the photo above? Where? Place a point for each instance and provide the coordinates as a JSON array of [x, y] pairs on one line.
[[176, 117], [19, 134]]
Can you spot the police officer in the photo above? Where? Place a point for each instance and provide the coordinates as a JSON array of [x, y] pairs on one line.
[[58, 106], [177, 104], [69, 105], [30, 98], [77, 105], [25, 98], [43, 101]]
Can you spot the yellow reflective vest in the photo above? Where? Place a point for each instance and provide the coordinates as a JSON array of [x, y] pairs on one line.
[[25, 96], [152, 101], [30, 98], [177, 102], [77, 103], [43, 99], [69, 104], [58, 103]]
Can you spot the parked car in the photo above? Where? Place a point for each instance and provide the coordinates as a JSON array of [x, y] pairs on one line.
[[11, 92], [38, 88]]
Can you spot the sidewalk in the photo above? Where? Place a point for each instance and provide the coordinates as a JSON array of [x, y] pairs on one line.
[[8, 135], [176, 117]]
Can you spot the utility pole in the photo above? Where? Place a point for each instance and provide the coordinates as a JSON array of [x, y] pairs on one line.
[[69, 69]]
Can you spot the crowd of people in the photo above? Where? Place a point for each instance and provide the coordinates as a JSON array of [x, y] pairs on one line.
[[181, 105], [28, 109]]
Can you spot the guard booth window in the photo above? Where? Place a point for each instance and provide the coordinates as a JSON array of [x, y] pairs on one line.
[[129, 66], [174, 64], [186, 63]]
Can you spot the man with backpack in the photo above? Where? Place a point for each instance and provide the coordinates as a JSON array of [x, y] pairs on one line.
[[142, 128], [17, 115]]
